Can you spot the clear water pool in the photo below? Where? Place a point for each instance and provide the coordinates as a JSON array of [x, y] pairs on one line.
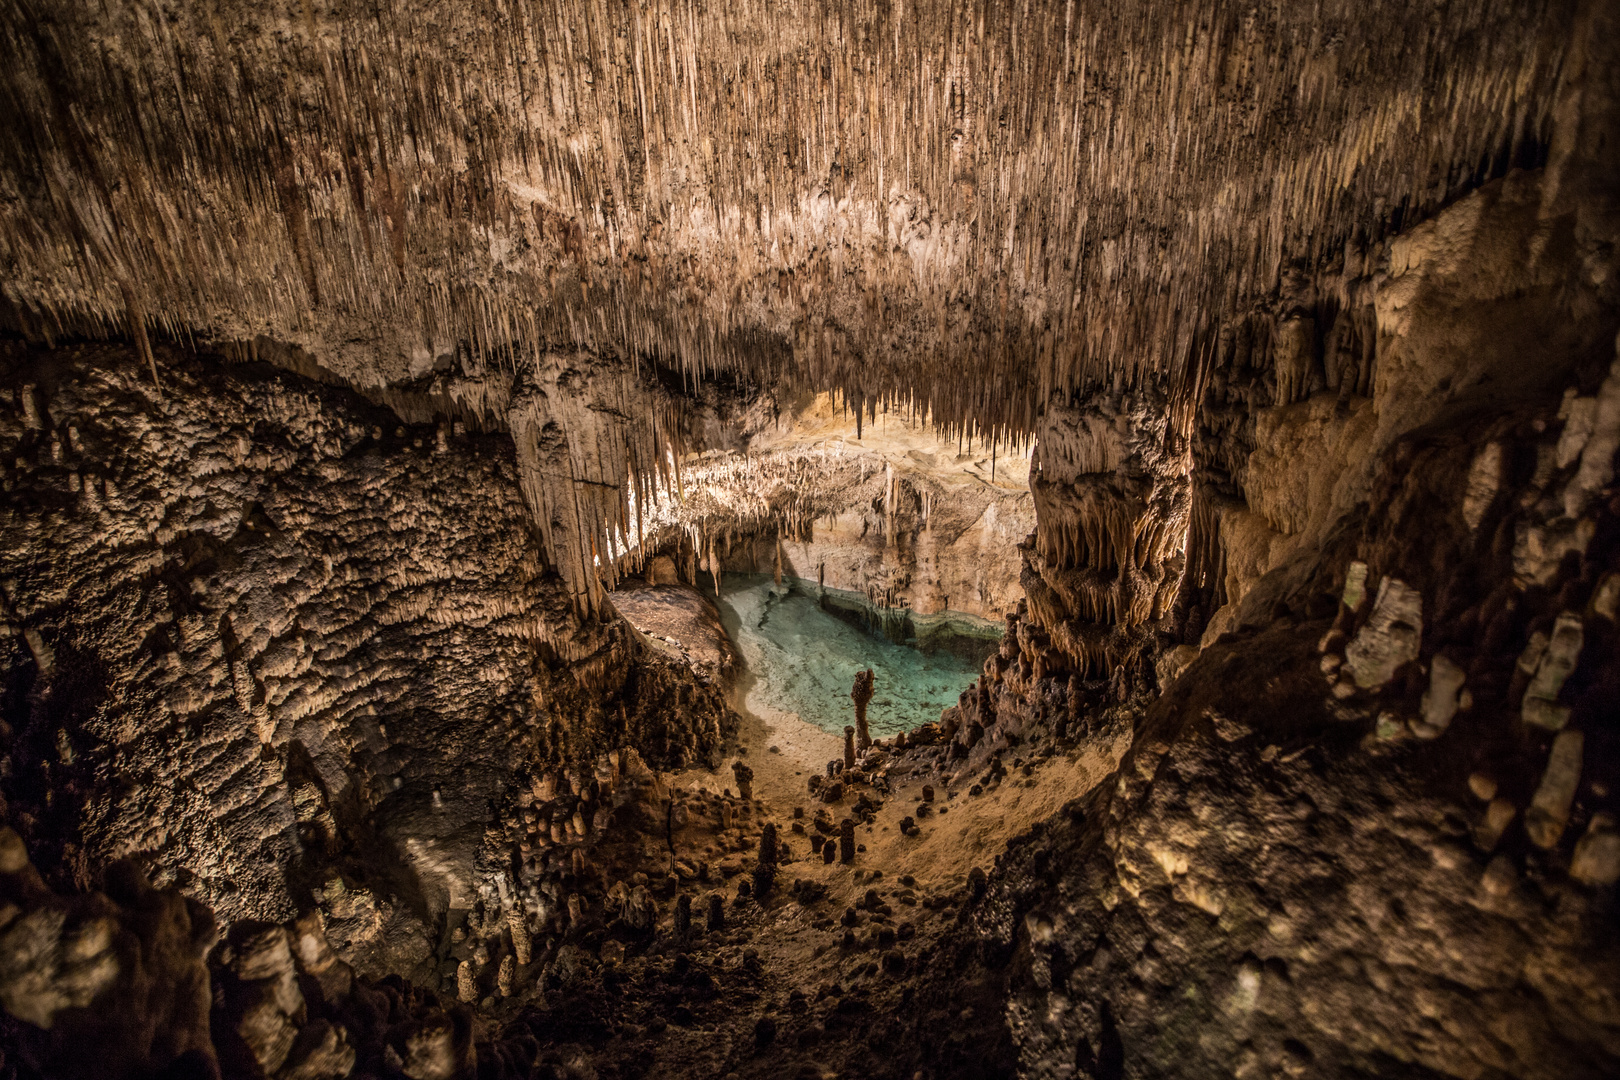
[[801, 647]]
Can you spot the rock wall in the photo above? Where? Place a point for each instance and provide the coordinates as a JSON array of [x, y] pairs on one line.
[[1380, 841], [283, 649], [1111, 508]]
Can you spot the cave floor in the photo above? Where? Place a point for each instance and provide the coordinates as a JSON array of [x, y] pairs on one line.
[[912, 885]]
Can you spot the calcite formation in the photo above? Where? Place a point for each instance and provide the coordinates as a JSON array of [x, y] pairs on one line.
[[386, 393], [275, 626]]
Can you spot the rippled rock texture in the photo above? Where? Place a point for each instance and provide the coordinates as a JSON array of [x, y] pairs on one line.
[[266, 639]]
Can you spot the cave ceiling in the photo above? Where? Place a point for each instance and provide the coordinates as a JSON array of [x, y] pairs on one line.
[[959, 206]]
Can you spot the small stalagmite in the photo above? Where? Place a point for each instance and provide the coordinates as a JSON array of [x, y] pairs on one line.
[[846, 840], [717, 912], [849, 748], [1549, 809], [767, 844], [861, 694], [745, 779], [522, 946], [506, 976], [683, 915]]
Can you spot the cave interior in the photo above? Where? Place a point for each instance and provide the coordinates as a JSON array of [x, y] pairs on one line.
[[863, 539]]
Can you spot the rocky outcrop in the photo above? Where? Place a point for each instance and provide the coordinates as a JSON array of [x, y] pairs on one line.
[[109, 984], [284, 649], [1307, 870], [1111, 508]]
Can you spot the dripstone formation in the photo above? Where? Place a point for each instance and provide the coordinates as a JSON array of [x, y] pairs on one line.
[[391, 396]]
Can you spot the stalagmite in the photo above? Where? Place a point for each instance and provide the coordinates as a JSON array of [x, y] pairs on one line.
[[767, 844], [1556, 662], [846, 841], [683, 915], [849, 749], [505, 977], [521, 944], [745, 779], [1549, 809], [862, 696], [1440, 700]]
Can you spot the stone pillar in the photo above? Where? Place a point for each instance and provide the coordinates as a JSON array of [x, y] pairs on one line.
[[521, 943], [862, 696], [505, 976], [767, 844], [717, 912], [849, 749], [846, 840], [745, 779], [683, 915]]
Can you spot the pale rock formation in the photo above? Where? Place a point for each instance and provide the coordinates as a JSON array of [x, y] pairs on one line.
[[1549, 809], [1597, 855], [1389, 639], [1552, 667], [1442, 698]]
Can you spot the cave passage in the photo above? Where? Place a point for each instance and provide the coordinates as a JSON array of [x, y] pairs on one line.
[[457, 460], [801, 647]]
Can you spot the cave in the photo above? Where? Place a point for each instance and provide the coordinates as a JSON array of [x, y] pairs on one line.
[[873, 540]]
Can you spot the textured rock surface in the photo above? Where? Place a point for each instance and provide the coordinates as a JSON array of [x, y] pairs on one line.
[[1281, 880], [265, 637], [107, 984], [1299, 325]]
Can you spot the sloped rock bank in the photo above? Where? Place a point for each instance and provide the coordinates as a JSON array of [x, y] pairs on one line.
[[1376, 842]]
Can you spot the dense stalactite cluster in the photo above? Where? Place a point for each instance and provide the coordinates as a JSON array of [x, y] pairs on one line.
[[861, 196], [1109, 480]]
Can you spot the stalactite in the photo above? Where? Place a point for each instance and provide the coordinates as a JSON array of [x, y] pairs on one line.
[[889, 206]]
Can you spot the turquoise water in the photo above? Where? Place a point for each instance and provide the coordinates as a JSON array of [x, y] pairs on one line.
[[803, 657]]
